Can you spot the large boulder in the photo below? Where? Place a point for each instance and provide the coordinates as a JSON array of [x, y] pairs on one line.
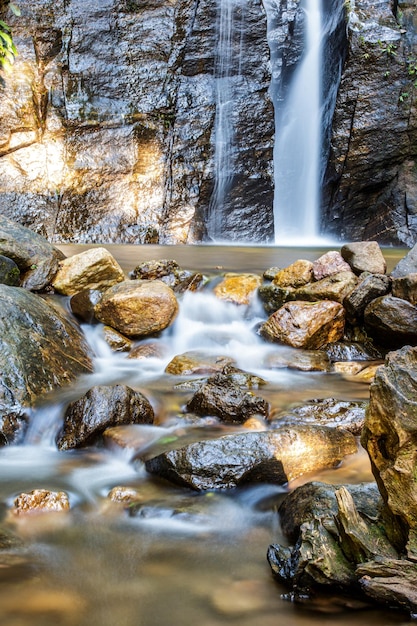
[[272, 456], [137, 308], [389, 436], [40, 350], [364, 256], [100, 408], [35, 257]]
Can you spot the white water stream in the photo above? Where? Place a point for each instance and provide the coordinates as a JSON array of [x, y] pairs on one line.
[[298, 146]]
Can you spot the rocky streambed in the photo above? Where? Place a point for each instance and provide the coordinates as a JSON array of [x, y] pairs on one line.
[[69, 326]]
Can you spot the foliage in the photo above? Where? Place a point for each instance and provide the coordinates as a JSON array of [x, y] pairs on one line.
[[7, 48]]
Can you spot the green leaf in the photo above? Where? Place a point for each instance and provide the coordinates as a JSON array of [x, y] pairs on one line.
[[6, 38], [4, 26], [15, 9]]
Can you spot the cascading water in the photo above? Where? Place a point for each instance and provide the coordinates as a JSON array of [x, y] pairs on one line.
[[227, 78], [303, 115], [298, 145]]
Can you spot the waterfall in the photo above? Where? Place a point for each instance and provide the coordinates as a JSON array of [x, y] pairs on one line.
[[298, 144], [227, 79]]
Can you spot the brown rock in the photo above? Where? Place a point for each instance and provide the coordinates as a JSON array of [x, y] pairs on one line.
[[298, 273], [41, 501], [405, 287], [93, 269], [238, 288], [305, 325], [195, 362], [335, 287], [116, 341], [138, 307]]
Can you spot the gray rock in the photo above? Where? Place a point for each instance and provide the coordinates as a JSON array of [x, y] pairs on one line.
[[405, 287], [40, 350], [100, 408], [407, 265], [36, 259], [369, 288], [391, 322], [9, 272], [253, 457], [364, 256]]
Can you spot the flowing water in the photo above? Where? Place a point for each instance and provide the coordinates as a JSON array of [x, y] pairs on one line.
[[204, 564]]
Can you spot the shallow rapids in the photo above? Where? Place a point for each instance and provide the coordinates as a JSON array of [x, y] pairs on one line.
[[185, 558]]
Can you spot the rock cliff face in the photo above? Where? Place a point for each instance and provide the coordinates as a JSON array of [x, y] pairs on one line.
[[370, 189], [108, 121], [111, 131]]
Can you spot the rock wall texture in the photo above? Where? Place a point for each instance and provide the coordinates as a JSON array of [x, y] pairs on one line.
[[370, 189], [108, 119]]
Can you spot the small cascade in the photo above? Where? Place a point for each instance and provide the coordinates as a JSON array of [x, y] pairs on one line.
[[298, 145], [227, 79]]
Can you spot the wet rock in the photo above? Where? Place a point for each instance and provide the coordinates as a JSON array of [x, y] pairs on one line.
[[298, 359], [9, 272], [273, 297], [364, 256], [147, 351], [348, 415], [170, 273], [329, 263], [335, 287], [138, 307], [116, 341], [82, 304], [195, 362], [237, 288], [41, 501], [407, 265], [391, 322], [352, 351], [221, 396], [100, 408], [391, 582], [242, 378], [305, 325], [357, 371], [369, 288], [405, 287], [389, 437], [95, 268], [35, 257], [125, 495], [40, 350], [243, 458], [270, 273], [295, 275], [370, 185]]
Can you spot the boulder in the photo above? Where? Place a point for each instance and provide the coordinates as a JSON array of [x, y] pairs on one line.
[[40, 350], [345, 414], [83, 302], [238, 288], [95, 268], [306, 325], [35, 257], [405, 287], [391, 322], [170, 273], [370, 287], [335, 287], [273, 456], [295, 275], [389, 436], [100, 408], [9, 272], [329, 263], [273, 296], [137, 308], [228, 400], [407, 265], [364, 256]]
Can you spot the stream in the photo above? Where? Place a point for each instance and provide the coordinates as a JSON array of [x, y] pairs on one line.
[[205, 564]]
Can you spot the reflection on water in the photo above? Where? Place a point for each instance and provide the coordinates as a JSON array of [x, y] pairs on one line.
[[183, 558]]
